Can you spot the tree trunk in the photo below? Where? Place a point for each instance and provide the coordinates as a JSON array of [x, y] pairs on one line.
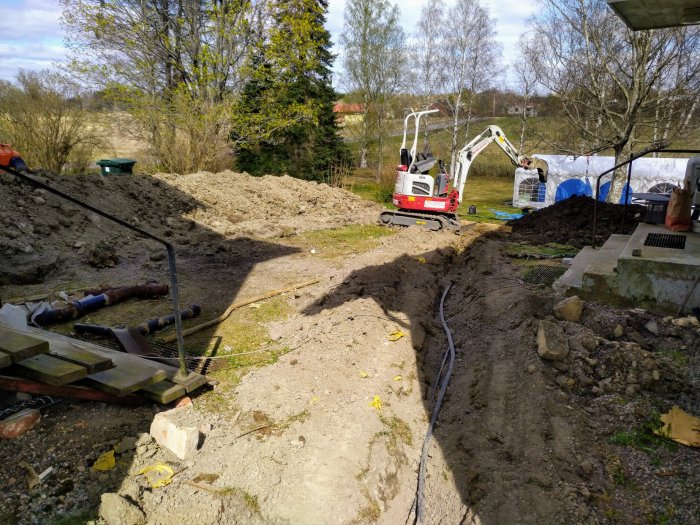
[[455, 128], [619, 178]]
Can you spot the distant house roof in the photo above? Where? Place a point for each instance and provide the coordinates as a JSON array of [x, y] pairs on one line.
[[342, 107]]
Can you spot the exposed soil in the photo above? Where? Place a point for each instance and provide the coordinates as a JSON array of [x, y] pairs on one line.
[[571, 222], [299, 437]]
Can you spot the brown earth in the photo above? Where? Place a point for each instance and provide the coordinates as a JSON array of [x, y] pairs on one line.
[[292, 437], [571, 222]]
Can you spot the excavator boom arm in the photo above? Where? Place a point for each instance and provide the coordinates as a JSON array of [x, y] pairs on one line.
[[469, 152]]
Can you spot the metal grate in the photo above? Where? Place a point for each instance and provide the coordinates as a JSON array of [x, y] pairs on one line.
[[665, 240], [543, 275]]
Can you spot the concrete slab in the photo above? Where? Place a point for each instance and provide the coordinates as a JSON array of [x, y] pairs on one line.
[[605, 261], [660, 278], [573, 277]]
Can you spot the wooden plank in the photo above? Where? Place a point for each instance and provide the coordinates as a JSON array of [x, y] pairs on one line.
[[163, 391], [5, 360], [80, 356], [20, 346], [118, 358], [125, 378], [50, 370], [15, 384]]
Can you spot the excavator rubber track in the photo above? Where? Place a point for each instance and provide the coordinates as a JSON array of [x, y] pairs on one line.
[[433, 222]]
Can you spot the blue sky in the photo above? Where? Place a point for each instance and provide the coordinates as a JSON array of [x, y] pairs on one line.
[[31, 36]]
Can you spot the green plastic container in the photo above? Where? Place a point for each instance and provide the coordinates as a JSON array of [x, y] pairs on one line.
[[116, 166]]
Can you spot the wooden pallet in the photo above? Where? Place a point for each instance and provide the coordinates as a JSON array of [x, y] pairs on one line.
[[127, 373]]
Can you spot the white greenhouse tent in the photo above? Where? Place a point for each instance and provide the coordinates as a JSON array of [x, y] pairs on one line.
[[569, 176]]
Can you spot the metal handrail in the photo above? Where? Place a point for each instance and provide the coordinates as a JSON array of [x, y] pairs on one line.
[[629, 177], [171, 254]]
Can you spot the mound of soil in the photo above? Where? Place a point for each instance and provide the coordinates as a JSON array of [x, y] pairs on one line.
[[40, 232], [571, 222]]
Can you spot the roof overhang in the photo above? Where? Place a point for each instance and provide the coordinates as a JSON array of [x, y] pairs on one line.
[[653, 14]]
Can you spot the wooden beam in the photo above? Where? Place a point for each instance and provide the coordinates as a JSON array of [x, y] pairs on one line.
[[80, 356], [163, 391], [50, 370], [15, 384], [20, 346], [125, 378]]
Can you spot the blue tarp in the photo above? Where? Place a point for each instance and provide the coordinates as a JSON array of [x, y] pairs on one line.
[[504, 215], [605, 188], [572, 187]]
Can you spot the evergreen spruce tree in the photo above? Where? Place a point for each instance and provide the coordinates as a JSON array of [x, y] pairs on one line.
[[287, 106]]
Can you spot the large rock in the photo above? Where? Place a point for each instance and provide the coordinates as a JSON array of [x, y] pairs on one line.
[[569, 309], [552, 343], [116, 510], [179, 439]]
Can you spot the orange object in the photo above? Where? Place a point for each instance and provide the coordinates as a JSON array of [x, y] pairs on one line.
[[7, 154]]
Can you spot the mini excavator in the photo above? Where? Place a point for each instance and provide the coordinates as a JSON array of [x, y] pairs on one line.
[[432, 202]]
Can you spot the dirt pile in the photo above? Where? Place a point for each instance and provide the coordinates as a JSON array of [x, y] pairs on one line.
[[571, 222], [40, 232]]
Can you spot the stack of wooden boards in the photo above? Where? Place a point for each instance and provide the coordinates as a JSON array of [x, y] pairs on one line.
[[57, 360]]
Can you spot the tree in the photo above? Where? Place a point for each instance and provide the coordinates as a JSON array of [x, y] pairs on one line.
[[373, 43], [470, 56], [428, 76], [619, 89], [173, 63], [43, 117], [286, 109]]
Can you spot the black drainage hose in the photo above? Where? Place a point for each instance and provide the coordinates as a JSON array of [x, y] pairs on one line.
[[420, 504]]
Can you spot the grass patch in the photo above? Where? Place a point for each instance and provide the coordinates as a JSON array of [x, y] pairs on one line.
[[643, 437], [232, 341], [371, 512], [337, 242], [550, 250]]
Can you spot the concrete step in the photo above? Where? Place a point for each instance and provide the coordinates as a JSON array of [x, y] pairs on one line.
[[605, 261], [573, 277]]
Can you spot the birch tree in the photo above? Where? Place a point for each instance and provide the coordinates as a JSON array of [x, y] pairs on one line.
[[373, 47], [620, 89], [470, 56]]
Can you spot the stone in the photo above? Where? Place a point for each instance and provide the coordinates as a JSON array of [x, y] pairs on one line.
[[618, 331], [158, 256], [116, 510], [143, 439], [569, 309], [691, 320], [184, 402], [531, 369], [78, 244], [587, 467], [552, 343], [652, 326], [656, 375], [19, 423], [180, 440], [649, 363], [38, 200], [126, 444], [103, 255]]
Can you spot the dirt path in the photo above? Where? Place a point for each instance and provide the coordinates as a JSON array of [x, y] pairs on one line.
[[326, 423]]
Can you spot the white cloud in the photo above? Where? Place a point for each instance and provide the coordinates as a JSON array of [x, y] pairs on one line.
[[30, 36]]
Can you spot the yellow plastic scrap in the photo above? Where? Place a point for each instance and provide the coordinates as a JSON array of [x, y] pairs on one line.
[[314, 400], [105, 461], [376, 403], [681, 427], [421, 260], [363, 374], [158, 475], [396, 335], [398, 378]]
